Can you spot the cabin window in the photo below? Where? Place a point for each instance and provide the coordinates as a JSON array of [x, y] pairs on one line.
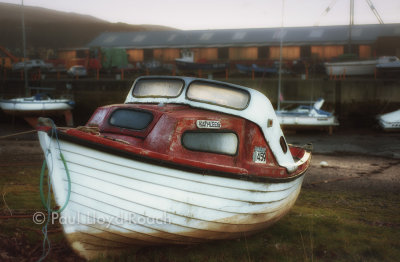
[[131, 119], [158, 88], [282, 141], [213, 142], [218, 95]]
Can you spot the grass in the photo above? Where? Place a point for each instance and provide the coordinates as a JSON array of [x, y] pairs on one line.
[[324, 225]]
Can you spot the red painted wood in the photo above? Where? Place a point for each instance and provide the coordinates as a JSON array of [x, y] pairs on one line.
[[161, 140]]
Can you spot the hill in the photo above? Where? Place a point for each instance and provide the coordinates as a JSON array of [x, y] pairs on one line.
[[47, 28]]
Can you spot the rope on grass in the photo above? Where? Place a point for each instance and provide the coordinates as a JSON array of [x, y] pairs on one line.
[[47, 203], [17, 134]]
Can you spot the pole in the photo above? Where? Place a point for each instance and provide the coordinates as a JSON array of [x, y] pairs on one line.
[[27, 91], [280, 61], [351, 23]]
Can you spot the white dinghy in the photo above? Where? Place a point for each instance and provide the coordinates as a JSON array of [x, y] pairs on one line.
[[38, 105], [307, 116]]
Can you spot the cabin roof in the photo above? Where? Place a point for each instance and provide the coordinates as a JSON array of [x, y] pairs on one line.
[[259, 110], [321, 35]]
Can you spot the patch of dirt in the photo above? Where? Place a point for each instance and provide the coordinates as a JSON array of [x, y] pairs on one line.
[[20, 153], [354, 172]]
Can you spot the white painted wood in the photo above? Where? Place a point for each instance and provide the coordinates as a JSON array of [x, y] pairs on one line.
[[119, 202], [30, 104], [390, 121]]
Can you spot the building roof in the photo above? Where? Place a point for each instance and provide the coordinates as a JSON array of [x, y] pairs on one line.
[[323, 35]]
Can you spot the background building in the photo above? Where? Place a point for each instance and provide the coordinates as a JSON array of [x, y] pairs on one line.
[[255, 45]]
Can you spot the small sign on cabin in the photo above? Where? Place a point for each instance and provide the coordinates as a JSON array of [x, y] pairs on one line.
[[208, 124]]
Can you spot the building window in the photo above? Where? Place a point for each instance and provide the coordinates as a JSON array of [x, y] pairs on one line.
[[223, 53], [81, 53], [263, 52], [305, 52], [148, 54]]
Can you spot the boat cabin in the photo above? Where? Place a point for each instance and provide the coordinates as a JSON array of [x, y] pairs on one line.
[[218, 97], [202, 124], [180, 134]]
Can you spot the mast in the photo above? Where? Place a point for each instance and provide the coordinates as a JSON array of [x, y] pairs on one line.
[[280, 60], [373, 9], [27, 91], [351, 23]]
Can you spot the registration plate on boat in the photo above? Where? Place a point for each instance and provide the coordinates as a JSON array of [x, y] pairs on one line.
[[259, 155]]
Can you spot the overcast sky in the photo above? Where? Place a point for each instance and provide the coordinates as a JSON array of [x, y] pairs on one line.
[[223, 14]]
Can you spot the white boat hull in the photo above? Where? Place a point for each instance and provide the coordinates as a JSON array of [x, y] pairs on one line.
[[307, 121], [118, 203], [24, 105], [351, 68], [390, 121]]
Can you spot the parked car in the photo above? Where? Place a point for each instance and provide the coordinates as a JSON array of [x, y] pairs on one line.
[[77, 70], [32, 64]]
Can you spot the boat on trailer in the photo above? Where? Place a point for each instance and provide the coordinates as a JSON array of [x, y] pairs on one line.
[[357, 67], [41, 104], [307, 116], [182, 161]]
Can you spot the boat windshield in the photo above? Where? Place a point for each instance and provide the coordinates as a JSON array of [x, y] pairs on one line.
[[158, 88], [218, 95]]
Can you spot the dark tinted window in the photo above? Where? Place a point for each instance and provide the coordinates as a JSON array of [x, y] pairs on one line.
[[148, 54], [132, 119], [282, 141], [223, 53], [263, 52]]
